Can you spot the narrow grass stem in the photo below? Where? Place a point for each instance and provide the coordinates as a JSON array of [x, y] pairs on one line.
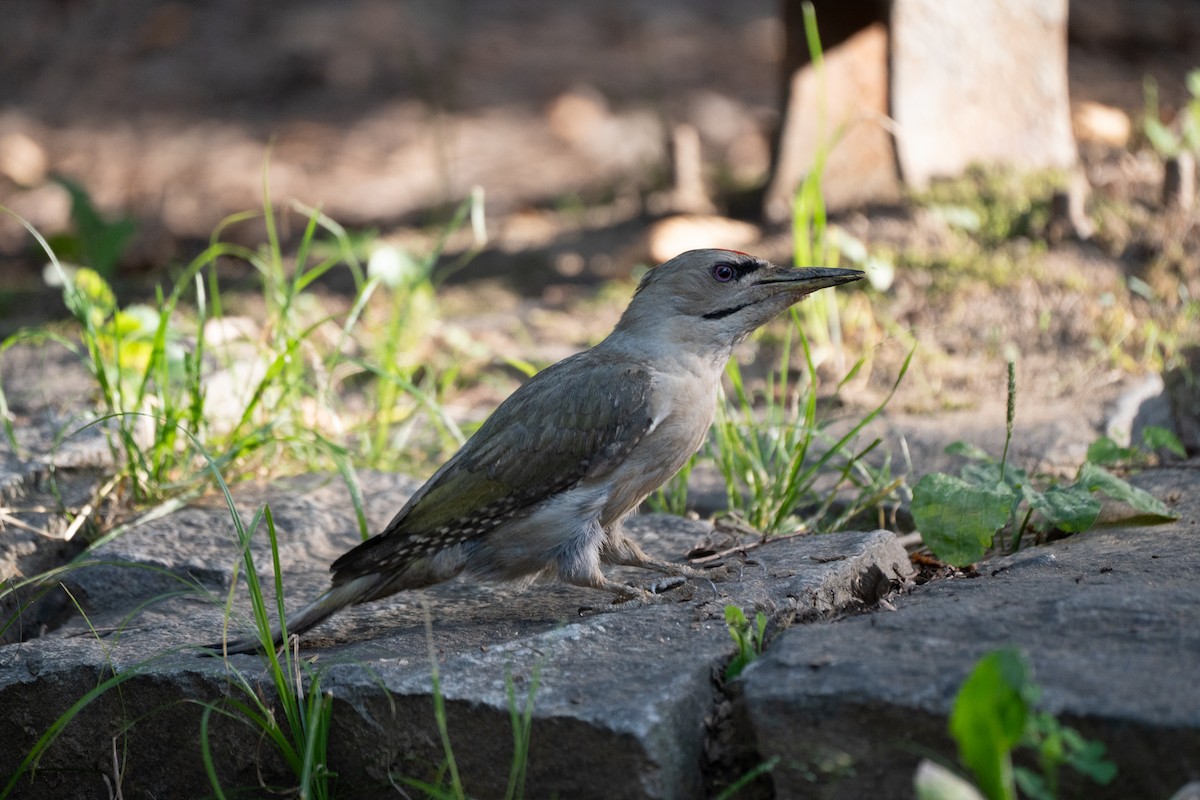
[[439, 709], [1010, 412]]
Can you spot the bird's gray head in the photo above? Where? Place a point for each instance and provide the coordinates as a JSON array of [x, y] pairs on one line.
[[713, 299]]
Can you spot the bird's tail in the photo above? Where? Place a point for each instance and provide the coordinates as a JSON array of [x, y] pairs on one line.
[[329, 603]]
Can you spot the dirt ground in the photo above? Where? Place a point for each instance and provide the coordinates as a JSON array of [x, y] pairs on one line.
[[383, 113]]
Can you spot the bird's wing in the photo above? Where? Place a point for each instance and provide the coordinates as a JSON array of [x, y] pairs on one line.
[[576, 419]]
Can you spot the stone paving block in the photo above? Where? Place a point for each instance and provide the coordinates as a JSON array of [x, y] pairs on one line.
[[622, 695], [1107, 619]]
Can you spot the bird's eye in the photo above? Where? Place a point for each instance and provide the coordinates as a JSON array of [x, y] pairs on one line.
[[723, 273]]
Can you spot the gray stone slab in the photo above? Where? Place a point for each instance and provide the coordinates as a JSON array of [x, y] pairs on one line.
[[41, 486], [197, 546], [1108, 620], [623, 692]]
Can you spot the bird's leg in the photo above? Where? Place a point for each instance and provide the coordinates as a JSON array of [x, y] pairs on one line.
[[580, 566], [623, 591], [621, 551]]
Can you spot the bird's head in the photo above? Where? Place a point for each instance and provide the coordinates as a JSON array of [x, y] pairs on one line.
[[715, 298]]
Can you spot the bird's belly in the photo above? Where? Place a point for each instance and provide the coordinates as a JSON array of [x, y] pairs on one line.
[[564, 528]]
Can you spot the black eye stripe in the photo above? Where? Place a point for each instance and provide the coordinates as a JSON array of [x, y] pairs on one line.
[[721, 313], [740, 268]]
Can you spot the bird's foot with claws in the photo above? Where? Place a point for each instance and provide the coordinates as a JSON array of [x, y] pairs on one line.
[[665, 589]]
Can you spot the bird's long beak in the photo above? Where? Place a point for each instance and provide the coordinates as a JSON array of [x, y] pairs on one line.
[[810, 279]]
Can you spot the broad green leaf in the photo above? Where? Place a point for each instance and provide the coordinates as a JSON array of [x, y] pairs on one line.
[[1015, 476], [982, 474], [967, 450], [1056, 744], [1068, 508], [1032, 784], [990, 474], [1097, 479], [989, 717], [957, 520], [1156, 438], [1162, 139], [1105, 451], [1088, 758]]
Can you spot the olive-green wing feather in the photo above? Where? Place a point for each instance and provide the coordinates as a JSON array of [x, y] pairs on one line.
[[559, 428]]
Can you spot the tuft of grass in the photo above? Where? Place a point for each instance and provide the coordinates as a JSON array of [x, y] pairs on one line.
[[749, 638], [447, 784], [150, 373], [268, 400], [153, 369], [522, 731], [439, 713], [302, 737], [993, 206], [1183, 133], [300, 734], [772, 455], [403, 382], [295, 716]]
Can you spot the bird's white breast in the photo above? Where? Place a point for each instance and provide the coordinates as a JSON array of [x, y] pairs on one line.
[[682, 406]]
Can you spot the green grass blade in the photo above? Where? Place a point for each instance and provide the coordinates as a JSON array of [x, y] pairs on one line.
[[206, 756], [439, 710]]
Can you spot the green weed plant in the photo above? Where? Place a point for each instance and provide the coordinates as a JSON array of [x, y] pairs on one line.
[[995, 715], [748, 637], [960, 517]]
